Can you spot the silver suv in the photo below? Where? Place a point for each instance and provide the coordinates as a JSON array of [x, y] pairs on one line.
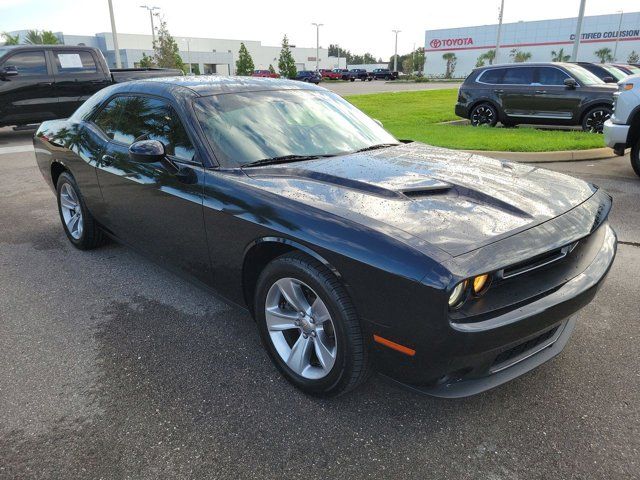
[[622, 130]]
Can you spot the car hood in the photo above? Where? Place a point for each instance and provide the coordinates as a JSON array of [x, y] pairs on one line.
[[455, 201]]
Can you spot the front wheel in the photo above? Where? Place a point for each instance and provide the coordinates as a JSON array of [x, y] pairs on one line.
[[594, 119], [635, 157], [484, 114], [309, 326]]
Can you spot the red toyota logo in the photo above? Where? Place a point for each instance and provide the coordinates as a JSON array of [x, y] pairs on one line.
[[435, 43]]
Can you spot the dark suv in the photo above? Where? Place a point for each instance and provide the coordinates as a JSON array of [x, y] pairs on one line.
[[535, 93]]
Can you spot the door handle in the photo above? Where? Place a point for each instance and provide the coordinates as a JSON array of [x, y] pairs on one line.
[[97, 81], [45, 84], [107, 159], [498, 91], [541, 92]]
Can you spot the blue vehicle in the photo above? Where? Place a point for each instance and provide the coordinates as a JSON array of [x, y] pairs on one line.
[[308, 76]]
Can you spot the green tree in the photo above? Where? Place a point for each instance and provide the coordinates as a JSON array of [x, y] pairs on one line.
[[146, 61], [633, 57], [519, 56], [489, 56], [559, 56], [604, 54], [166, 52], [10, 39], [43, 37], [480, 61], [451, 59], [244, 64], [286, 63], [271, 69]]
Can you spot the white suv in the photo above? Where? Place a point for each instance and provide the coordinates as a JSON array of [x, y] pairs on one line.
[[622, 130]]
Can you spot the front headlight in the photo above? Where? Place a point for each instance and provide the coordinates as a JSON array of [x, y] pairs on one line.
[[457, 295], [480, 284]]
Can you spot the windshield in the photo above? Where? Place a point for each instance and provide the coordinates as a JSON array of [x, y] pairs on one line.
[[633, 69], [247, 127], [616, 73], [4, 50], [584, 76]]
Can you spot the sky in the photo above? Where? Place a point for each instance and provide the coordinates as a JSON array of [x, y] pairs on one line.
[[353, 24]]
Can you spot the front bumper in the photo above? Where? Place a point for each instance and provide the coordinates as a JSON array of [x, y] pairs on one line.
[[615, 135], [486, 354]]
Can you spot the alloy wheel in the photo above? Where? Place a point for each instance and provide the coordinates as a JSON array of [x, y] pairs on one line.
[[482, 115], [595, 121], [300, 328], [71, 211]]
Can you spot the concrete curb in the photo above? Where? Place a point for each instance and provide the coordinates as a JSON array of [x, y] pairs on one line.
[[547, 157]]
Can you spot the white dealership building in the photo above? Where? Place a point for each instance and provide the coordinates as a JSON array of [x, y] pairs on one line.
[[206, 55], [539, 38]]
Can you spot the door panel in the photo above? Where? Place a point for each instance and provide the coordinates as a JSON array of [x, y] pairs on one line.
[[553, 99], [28, 97], [517, 92], [77, 76]]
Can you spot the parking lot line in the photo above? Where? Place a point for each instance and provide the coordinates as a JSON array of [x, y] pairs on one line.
[[16, 149]]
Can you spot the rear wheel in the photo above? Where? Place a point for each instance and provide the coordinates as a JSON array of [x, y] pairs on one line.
[[78, 223], [635, 157], [594, 119], [484, 114], [309, 326]]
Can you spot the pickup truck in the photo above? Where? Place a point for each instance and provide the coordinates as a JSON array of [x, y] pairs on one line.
[[384, 74], [47, 82], [359, 74], [622, 130], [330, 74]]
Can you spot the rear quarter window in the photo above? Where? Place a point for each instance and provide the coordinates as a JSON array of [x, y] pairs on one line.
[[493, 76]]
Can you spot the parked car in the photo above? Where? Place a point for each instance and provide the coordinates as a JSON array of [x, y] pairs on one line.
[[359, 74], [265, 74], [535, 93], [606, 73], [450, 274], [308, 76], [330, 74], [627, 68], [622, 130], [384, 74], [44, 82], [344, 73]]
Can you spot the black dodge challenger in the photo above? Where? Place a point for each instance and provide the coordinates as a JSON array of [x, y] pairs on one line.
[[444, 271]]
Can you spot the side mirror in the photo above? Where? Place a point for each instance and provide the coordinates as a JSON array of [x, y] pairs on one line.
[[609, 80], [8, 71], [570, 83], [147, 151]]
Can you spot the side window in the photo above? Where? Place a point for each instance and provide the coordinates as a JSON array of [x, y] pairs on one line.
[[518, 76], [493, 76], [134, 117], [551, 76], [28, 63], [80, 62], [107, 119]]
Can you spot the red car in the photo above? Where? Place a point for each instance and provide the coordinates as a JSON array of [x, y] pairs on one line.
[[330, 74], [264, 73]]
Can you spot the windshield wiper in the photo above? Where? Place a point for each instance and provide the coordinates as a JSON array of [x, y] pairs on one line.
[[284, 159], [377, 147]]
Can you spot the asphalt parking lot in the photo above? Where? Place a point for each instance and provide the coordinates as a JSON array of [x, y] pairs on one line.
[[380, 86], [113, 368]]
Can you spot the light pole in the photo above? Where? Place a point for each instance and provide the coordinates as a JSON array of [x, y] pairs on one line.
[[188, 40], [318, 25], [395, 55], [115, 36], [500, 15], [338, 47], [615, 49], [151, 9], [576, 41]]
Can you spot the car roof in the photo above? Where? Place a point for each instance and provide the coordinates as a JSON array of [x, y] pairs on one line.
[[526, 64], [205, 85]]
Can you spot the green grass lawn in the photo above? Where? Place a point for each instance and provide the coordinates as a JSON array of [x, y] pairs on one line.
[[415, 116]]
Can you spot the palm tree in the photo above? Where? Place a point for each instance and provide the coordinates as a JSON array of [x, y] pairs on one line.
[[604, 54], [518, 56], [559, 56], [633, 57], [451, 59], [10, 39], [489, 56], [44, 37]]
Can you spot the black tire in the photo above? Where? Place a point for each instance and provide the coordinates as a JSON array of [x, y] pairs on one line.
[[635, 157], [484, 114], [91, 235], [593, 120], [352, 79], [351, 364]]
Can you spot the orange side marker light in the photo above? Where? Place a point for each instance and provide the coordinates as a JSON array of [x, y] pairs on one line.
[[394, 346]]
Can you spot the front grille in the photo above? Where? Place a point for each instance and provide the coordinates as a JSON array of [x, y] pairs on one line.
[[508, 356]]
